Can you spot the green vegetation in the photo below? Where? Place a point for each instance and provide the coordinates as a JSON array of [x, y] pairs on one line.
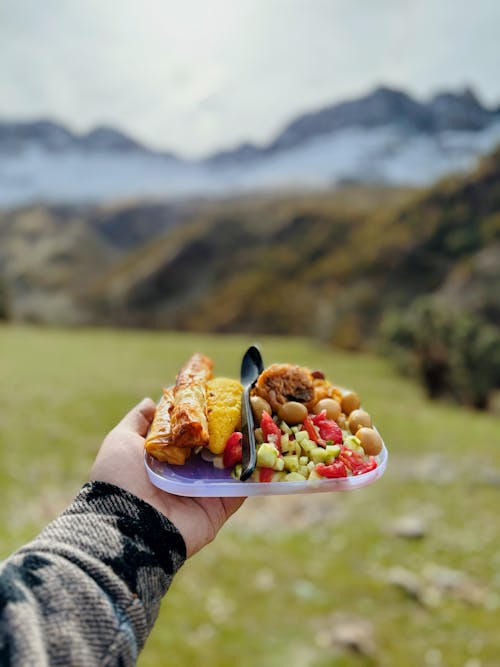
[[286, 573], [455, 355]]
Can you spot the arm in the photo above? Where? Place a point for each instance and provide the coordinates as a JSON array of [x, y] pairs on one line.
[[87, 590]]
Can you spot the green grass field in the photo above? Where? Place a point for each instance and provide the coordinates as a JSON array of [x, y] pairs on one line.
[[289, 579]]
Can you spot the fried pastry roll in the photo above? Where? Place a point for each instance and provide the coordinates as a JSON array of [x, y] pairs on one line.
[[188, 416], [159, 440]]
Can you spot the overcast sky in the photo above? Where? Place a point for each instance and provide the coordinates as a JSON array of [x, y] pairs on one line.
[[199, 75]]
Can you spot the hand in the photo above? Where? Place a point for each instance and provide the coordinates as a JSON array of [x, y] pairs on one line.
[[120, 461]]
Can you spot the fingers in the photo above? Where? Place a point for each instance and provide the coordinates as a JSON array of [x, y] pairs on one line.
[[140, 417], [232, 504]]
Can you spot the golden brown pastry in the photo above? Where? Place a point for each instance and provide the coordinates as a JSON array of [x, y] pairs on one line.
[[188, 416], [159, 440]]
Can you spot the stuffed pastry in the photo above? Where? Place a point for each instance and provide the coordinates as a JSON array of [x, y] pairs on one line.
[[188, 417], [159, 440]]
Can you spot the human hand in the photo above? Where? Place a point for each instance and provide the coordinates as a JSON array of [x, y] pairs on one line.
[[120, 461]]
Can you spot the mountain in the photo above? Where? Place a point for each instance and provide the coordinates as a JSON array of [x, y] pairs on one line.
[[316, 265], [385, 137], [326, 264]]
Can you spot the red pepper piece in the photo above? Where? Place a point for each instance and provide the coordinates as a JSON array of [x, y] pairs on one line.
[[331, 470], [312, 432], [266, 474], [232, 451], [270, 428]]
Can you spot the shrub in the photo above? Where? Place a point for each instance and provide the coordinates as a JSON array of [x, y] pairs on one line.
[[455, 355]]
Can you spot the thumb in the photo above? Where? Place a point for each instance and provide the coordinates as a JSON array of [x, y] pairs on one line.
[[139, 418]]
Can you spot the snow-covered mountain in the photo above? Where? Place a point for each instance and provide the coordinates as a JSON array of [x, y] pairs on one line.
[[384, 137]]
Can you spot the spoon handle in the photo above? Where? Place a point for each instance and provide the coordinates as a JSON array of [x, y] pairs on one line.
[[249, 455]]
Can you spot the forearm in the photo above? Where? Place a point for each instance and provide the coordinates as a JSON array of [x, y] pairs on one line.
[[87, 590]]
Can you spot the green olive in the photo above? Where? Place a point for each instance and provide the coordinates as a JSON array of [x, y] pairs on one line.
[[359, 418], [370, 440], [342, 421], [330, 405], [350, 401], [292, 412], [259, 405]]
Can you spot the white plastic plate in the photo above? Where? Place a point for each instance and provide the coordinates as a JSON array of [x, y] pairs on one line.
[[199, 478]]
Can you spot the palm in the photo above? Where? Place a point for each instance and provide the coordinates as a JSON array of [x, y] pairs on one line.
[[120, 462]]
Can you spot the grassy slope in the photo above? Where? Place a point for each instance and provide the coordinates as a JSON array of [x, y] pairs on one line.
[[266, 591]]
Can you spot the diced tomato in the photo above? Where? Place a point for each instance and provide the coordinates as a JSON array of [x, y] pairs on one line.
[[331, 470], [328, 428], [266, 474], [355, 462], [232, 451], [312, 432], [321, 416], [270, 428]]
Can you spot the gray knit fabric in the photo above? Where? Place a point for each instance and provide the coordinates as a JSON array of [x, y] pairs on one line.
[[87, 590]]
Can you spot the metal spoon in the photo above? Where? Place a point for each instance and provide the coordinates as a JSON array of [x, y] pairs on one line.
[[251, 367]]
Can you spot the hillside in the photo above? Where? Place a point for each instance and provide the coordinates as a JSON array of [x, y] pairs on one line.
[[49, 254], [327, 265], [315, 265]]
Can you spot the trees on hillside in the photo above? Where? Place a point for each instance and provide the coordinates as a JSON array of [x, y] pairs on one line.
[[456, 355]]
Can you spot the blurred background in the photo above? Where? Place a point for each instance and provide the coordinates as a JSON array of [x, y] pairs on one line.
[[319, 177]]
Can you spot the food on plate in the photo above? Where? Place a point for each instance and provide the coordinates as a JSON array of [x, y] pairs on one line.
[[198, 412], [223, 411], [189, 412], [159, 441], [280, 383], [305, 427], [370, 440]]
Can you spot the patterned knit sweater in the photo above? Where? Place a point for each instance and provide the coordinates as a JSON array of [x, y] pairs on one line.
[[87, 590]]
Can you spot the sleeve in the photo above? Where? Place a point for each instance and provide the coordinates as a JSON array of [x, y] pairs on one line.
[[88, 589]]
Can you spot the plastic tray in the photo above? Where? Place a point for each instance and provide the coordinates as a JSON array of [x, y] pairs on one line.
[[199, 478]]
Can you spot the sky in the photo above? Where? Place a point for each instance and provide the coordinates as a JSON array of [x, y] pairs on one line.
[[196, 76]]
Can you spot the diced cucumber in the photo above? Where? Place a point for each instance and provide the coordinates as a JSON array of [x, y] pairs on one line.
[[295, 477], [307, 446], [301, 435], [311, 465], [294, 448], [291, 462], [303, 460], [279, 465], [285, 428], [319, 455], [279, 476], [295, 429], [333, 451], [267, 454], [236, 471], [303, 470], [314, 475], [285, 442]]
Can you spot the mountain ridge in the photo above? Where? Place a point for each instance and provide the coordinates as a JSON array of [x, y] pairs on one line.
[[385, 137]]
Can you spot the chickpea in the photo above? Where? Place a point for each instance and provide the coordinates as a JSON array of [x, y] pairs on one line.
[[330, 405], [357, 419], [350, 401], [370, 440], [342, 421], [259, 405], [292, 412]]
